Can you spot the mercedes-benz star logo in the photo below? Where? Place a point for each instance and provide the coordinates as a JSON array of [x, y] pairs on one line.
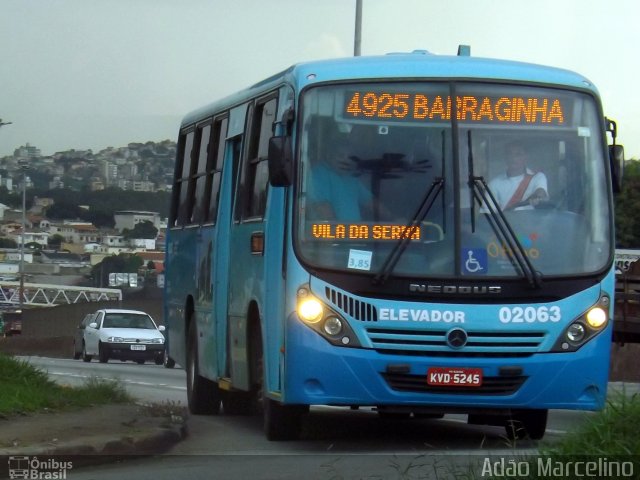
[[457, 338]]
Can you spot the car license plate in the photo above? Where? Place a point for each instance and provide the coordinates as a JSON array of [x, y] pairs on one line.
[[138, 347], [454, 377]]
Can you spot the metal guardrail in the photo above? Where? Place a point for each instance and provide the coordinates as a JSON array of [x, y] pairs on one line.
[[48, 295]]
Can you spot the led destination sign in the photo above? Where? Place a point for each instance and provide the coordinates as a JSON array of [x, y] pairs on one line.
[[361, 231], [420, 107]]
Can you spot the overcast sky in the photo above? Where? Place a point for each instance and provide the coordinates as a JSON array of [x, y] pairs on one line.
[[95, 73]]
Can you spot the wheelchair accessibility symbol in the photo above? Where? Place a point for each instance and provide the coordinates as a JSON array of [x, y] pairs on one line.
[[474, 260]]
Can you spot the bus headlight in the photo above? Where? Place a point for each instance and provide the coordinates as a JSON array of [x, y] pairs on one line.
[[332, 326], [576, 332], [596, 317], [310, 310], [324, 320], [584, 327]]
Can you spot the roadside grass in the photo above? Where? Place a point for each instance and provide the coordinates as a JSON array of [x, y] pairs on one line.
[[24, 389], [608, 443], [615, 431]]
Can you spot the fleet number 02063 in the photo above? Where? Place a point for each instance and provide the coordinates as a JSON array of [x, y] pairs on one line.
[[530, 314]]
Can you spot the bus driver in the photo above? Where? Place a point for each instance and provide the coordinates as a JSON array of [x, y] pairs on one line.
[[519, 187]]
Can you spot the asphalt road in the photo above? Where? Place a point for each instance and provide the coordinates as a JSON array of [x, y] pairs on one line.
[[148, 382], [336, 443]]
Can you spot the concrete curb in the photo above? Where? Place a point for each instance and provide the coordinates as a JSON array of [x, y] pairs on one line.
[[97, 450]]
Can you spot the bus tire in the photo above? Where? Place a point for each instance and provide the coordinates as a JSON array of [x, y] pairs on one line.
[[203, 395], [237, 402], [168, 362], [527, 424], [282, 422]]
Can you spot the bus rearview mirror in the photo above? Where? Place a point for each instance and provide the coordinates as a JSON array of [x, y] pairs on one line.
[[280, 161], [616, 158]]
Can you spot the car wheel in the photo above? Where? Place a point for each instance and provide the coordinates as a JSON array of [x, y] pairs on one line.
[[103, 353], [85, 357], [140, 362], [76, 354], [159, 360]]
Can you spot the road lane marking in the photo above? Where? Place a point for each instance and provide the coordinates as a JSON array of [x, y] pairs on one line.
[[123, 380]]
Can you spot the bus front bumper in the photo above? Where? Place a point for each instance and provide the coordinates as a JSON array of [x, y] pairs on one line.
[[318, 373]]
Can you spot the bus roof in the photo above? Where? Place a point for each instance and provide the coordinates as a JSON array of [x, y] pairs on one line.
[[401, 66]]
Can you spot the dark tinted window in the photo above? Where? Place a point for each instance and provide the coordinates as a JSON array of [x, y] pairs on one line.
[[255, 178], [214, 173], [182, 201], [200, 177]]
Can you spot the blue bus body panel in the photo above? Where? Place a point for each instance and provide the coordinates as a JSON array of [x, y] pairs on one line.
[[320, 373], [402, 67], [418, 66], [304, 368]]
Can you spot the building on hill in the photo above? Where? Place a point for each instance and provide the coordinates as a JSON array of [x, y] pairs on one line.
[[130, 218], [64, 259]]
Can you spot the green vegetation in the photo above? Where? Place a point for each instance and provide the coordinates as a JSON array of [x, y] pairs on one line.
[[141, 230], [606, 442], [611, 432], [27, 389], [627, 206], [123, 262], [101, 204]]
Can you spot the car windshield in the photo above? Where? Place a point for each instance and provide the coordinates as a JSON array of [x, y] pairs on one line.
[[378, 158], [127, 320]]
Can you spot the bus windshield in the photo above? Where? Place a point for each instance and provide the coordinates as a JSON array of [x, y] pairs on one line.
[[414, 178]]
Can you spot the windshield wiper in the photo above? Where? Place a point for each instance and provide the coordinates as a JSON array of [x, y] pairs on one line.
[[423, 210], [402, 244], [480, 191]]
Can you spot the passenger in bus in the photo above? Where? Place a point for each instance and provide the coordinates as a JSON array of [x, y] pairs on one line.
[[519, 187], [334, 191]]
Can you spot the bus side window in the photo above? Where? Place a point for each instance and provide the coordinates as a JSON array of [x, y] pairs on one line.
[[181, 203], [214, 171], [255, 172], [204, 159]]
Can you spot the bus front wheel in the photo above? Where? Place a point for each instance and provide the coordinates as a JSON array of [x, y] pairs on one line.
[[527, 424], [282, 422], [203, 395]]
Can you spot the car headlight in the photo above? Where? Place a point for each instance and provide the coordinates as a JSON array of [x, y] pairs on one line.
[[115, 340], [156, 340]]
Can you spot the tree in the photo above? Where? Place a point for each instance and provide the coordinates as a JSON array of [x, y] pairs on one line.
[[122, 263], [33, 246], [627, 207], [141, 230], [7, 243], [55, 240]]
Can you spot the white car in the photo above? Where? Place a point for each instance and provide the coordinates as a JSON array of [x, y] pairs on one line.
[[123, 335]]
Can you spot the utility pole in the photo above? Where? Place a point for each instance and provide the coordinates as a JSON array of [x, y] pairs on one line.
[[358, 30], [24, 226]]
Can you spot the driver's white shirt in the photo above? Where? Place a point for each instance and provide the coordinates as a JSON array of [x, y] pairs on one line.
[[503, 187]]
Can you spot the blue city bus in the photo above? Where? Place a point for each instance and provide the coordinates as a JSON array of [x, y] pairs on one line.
[[339, 236]]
